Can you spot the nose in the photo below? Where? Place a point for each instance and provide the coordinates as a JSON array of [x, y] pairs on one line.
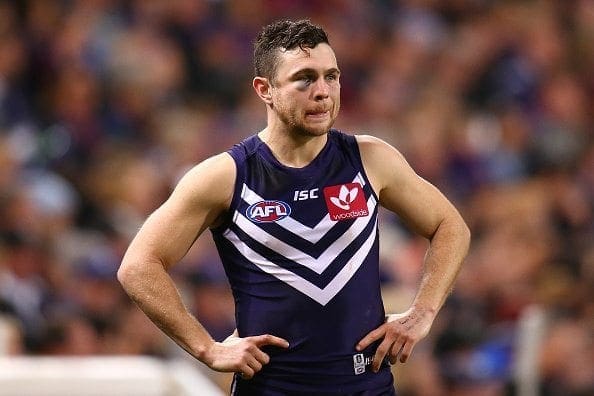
[[321, 89]]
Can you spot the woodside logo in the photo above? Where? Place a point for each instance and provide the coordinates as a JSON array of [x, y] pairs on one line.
[[345, 201]]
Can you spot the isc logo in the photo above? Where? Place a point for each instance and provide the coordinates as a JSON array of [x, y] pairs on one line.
[[268, 211]]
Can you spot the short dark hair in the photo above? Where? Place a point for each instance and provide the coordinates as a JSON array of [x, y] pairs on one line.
[[284, 35]]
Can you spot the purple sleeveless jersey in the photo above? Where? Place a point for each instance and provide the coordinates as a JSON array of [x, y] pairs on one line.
[[300, 248]]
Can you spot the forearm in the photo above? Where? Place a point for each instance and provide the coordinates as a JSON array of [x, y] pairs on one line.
[[447, 250], [153, 290]]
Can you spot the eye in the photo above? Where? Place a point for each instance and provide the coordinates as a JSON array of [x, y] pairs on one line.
[[332, 77], [306, 79]]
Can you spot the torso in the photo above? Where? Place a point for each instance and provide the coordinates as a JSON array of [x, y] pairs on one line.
[[300, 248]]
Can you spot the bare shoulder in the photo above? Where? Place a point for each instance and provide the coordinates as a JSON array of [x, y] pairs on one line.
[[377, 150], [400, 189], [211, 181], [201, 196], [220, 165], [381, 160], [368, 142]]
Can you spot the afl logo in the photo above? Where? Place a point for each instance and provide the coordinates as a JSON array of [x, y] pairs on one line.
[[268, 211]]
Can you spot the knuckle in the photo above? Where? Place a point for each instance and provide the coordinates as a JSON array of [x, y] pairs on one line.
[[410, 338]]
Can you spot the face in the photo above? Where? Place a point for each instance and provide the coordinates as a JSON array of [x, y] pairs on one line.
[[305, 93]]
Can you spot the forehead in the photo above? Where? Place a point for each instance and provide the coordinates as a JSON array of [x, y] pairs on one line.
[[321, 57]]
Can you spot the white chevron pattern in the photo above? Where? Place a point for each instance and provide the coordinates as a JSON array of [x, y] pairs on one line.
[[312, 235], [320, 295], [325, 259]]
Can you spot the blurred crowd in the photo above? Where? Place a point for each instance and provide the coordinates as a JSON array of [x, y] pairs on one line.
[[104, 104]]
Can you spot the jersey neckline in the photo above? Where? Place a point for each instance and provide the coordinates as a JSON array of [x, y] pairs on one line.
[[309, 168]]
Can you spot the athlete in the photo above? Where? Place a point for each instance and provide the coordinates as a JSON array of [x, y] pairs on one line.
[[293, 213]]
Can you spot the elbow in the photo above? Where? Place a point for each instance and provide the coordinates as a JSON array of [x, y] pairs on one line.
[[131, 271], [134, 271], [458, 232], [455, 229], [126, 273], [465, 235], [468, 235], [131, 276]]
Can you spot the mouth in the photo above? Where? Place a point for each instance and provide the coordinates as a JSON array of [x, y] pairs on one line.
[[317, 114]]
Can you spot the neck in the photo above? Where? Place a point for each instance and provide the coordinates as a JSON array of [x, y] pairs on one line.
[[292, 149]]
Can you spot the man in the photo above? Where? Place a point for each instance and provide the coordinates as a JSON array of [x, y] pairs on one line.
[[293, 212]]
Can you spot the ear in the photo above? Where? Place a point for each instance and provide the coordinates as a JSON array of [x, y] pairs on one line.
[[263, 89]]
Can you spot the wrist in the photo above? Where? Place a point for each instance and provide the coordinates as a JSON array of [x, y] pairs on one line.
[[202, 351], [425, 310], [425, 307]]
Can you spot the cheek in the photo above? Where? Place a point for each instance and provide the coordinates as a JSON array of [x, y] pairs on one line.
[[336, 90], [336, 96], [286, 102], [278, 100]]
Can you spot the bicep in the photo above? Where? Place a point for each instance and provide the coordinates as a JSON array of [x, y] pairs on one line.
[[420, 204], [200, 197], [416, 201]]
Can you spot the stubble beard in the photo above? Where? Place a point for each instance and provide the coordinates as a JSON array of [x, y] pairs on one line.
[[299, 128]]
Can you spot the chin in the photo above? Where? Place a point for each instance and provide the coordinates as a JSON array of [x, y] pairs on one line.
[[319, 129], [315, 131], [309, 130]]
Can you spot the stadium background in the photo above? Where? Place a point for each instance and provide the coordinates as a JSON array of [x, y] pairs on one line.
[[105, 103]]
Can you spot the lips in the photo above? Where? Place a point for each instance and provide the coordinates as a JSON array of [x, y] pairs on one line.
[[317, 112], [316, 117]]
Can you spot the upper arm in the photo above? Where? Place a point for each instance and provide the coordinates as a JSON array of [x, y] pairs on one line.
[[199, 199], [420, 204]]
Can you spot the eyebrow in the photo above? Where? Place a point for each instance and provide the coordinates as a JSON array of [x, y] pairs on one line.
[[307, 71]]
